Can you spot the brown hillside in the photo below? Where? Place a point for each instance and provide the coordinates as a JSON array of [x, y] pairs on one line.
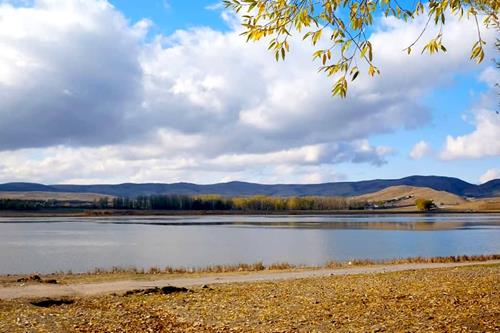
[[407, 195], [487, 204], [59, 196]]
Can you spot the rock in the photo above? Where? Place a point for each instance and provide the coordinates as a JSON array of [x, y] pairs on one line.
[[149, 291], [206, 287], [172, 289], [31, 278], [48, 302]]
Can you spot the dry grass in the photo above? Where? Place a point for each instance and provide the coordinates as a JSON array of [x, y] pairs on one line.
[[121, 273], [414, 260], [481, 205], [393, 192], [259, 266], [438, 300]]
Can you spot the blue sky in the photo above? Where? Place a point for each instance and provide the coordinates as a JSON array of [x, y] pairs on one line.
[[171, 15], [448, 104], [161, 101]]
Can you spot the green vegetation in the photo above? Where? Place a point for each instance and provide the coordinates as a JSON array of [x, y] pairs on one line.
[[344, 27], [424, 204]]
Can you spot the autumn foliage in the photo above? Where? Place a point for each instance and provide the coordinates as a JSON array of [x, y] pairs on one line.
[[424, 204]]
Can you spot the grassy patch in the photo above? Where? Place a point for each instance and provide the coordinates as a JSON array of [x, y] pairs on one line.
[[154, 273]]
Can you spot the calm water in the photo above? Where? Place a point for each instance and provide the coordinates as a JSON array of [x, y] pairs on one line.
[[81, 244]]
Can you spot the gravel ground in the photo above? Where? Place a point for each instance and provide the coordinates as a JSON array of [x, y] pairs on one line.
[[461, 299], [81, 286]]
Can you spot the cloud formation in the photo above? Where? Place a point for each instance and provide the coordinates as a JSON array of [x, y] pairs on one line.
[[489, 175], [69, 74], [86, 97], [420, 150], [482, 142]]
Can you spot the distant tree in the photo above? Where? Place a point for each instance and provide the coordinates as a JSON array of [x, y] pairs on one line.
[[424, 204], [345, 23], [103, 203]]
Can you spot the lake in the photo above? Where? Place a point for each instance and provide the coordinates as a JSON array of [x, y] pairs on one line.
[[47, 245]]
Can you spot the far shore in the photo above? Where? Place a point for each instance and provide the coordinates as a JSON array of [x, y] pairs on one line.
[[70, 212]]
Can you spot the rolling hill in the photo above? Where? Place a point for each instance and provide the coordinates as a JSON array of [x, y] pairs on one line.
[[407, 195], [448, 184]]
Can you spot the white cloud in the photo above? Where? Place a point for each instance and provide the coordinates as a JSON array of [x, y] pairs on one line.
[[482, 142], [215, 6], [106, 105], [68, 70], [420, 150], [174, 157], [357, 152], [489, 175], [490, 76]]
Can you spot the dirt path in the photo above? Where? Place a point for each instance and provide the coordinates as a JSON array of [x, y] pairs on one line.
[[90, 289]]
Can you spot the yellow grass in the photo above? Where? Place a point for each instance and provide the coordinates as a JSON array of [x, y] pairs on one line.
[[440, 198], [487, 204], [120, 273]]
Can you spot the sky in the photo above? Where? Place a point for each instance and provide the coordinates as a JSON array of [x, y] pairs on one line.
[[167, 91]]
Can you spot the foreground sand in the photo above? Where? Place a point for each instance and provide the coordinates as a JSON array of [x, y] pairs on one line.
[[461, 299]]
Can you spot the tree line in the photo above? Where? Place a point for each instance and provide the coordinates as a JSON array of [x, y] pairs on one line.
[[22, 204], [185, 202], [251, 203], [19, 204], [10, 204]]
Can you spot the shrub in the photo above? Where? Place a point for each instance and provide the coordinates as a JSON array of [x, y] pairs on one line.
[[424, 204]]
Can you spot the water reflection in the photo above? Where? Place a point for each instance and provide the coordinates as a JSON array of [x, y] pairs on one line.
[[81, 244], [346, 222], [417, 226]]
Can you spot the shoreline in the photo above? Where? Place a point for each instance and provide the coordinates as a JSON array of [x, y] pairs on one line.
[[111, 213], [115, 272], [85, 289]]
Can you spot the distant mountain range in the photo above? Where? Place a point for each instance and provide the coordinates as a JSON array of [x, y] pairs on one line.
[[448, 184]]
